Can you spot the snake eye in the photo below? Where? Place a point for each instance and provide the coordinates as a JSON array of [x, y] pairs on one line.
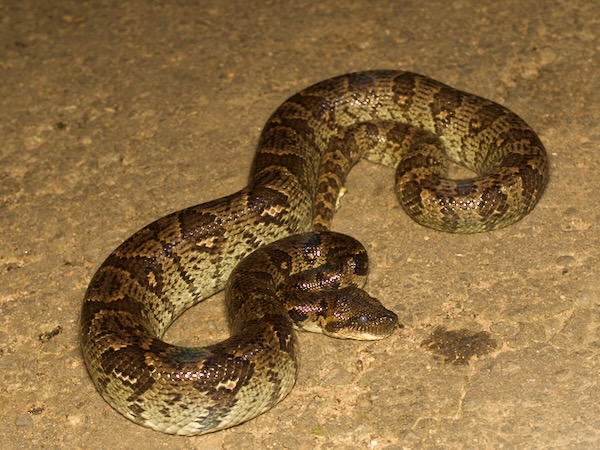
[[363, 319]]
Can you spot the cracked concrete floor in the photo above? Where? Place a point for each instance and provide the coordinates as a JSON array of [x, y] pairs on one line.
[[116, 113]]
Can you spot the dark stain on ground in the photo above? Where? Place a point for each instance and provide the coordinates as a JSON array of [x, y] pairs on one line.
[[459, 346]]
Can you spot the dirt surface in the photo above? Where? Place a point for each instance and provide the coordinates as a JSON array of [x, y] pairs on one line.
[[116, 113]]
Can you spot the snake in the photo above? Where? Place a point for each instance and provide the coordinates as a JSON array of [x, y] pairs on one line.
[[269, 244]]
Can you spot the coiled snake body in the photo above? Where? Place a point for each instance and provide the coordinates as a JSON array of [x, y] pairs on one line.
[[308, 145]]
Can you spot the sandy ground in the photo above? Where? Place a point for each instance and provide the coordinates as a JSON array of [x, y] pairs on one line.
[[116, 113]]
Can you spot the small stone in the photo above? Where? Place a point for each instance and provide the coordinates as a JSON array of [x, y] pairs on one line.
[[24, 422], [565, 260]]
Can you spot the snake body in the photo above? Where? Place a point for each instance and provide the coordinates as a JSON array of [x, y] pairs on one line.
[[306, 148]]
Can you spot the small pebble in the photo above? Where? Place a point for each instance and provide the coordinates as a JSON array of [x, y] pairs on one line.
[[24, 422]]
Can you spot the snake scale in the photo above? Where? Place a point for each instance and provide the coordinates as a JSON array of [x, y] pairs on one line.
[[399, 119]]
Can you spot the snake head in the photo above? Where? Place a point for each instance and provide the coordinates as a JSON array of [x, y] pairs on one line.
[[354, 314], [345, 313]]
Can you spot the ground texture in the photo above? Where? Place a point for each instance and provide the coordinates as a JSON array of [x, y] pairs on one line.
[[116, 113]]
